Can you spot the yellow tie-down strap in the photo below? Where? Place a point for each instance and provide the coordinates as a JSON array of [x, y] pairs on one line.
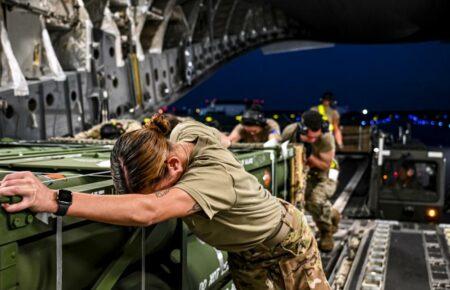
[[322, 111]]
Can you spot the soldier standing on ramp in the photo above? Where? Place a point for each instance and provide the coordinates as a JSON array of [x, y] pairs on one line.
[[330, 115], [321, 184]]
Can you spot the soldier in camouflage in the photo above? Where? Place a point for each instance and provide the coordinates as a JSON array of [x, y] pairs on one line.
[[322, 176]]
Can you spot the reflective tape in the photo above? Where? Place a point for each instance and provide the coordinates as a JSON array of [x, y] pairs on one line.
[[322, 111]]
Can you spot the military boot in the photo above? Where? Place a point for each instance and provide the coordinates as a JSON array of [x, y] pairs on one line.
[[335, 219], [326, 243]]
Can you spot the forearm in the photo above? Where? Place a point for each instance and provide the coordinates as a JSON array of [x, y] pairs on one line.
[[338, 137], [234, 139], [235, 135], [125, 210], [315, 162]]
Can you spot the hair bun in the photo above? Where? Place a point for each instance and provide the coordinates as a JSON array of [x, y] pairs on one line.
[[159, 123]]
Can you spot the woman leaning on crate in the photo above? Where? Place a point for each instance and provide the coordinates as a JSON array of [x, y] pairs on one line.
[[192, 176]]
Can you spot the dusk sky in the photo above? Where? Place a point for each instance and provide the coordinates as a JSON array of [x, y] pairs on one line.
[[378, 77]]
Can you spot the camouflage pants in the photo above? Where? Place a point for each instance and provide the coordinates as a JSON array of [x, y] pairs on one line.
[[294, 263], [318, 192]]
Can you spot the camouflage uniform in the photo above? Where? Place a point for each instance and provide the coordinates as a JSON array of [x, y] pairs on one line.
[[294, 263], [319, 190]]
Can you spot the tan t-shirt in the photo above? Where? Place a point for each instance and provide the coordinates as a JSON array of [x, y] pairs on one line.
[[237, 212], [271, 129], [324, 144]]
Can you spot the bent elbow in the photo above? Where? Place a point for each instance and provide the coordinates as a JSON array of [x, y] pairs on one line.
[[226, 142]]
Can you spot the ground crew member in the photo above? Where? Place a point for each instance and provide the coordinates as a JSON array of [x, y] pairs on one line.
[[321, 183], [111, 129], [194, 177], [330, 115], [255, 128]]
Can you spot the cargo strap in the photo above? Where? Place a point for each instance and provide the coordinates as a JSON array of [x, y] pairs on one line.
[[322, 111], [136, 78], [285, 187], [285, 154], [143, 258], [220, 258], [59, 257], [272, 169]]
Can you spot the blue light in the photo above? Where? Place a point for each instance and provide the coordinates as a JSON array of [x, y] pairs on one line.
[[363, 123], [372, 122], [440, 124], [397, 117], [387, 120], [432, 123]]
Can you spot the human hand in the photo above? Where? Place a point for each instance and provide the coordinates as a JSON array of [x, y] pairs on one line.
[[35, 195], [308, 149]]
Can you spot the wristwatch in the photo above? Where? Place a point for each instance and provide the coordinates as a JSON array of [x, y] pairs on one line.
[[64, 200]]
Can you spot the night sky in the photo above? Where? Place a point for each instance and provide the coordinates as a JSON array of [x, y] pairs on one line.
[[377, 77]]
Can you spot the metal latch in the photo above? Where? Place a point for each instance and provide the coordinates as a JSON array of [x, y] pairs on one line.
[[20, 219]]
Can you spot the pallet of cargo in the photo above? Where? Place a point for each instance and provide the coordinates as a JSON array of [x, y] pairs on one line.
[[95, 255]]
